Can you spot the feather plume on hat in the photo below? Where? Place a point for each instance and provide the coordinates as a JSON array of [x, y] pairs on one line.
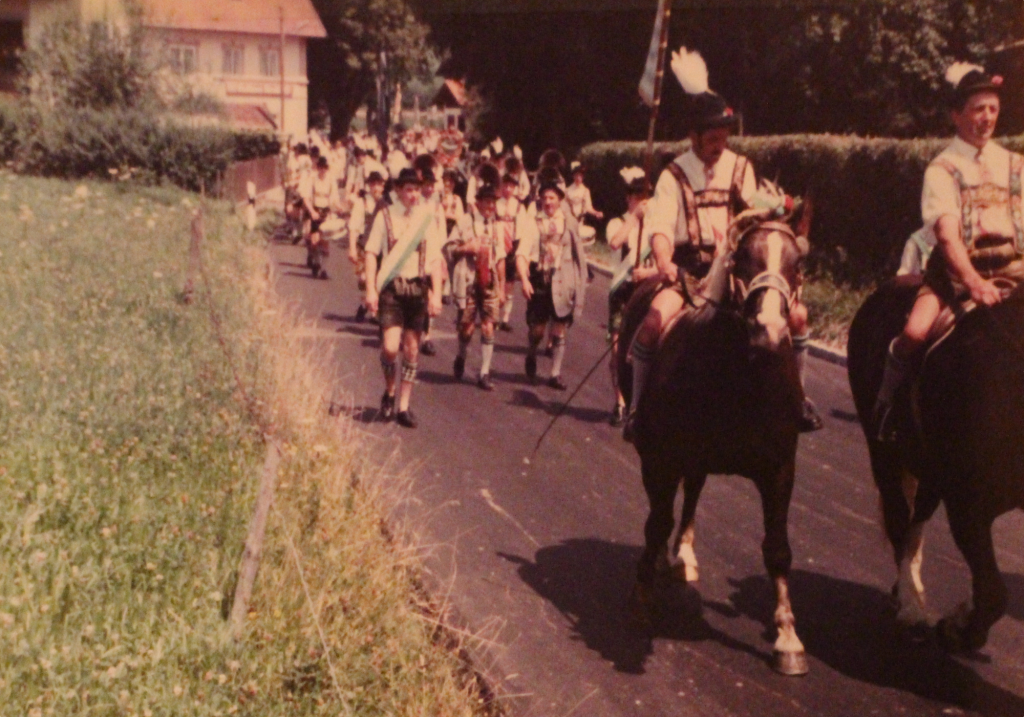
[[498, 146], [630, 174], [517, 151], [959, 70], [691, 71]]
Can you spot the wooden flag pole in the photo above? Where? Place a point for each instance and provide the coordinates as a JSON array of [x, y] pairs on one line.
[[659, 78]]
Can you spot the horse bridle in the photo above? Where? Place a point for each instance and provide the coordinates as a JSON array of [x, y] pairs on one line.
[[766, 279]]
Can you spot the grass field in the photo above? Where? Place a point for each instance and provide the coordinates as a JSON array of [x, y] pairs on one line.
[[129, 455]]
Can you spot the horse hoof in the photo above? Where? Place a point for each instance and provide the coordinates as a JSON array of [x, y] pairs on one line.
[[685, 573], [791, 664], [914, 632]]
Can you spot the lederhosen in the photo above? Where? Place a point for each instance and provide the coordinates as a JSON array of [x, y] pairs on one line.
[[618, 299], [482, 297], [540, 309], [510, 247], [695, 256], [403, 302], [992, 256]]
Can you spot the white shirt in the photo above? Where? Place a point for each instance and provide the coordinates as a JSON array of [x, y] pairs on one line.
[[362, 209], [453, 208], [321, 193], [987, 171], [511, 215], [665, 213], [632, 243], [578, 196], [406, 222], [397, 161]]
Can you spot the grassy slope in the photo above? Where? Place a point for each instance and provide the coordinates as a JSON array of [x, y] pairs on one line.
[[127, 475]]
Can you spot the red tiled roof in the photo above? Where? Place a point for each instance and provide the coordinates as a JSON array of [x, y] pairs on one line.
[[259, 17], [453, 90], [250, 117]]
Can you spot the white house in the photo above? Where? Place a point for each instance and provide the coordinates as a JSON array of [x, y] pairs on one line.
[[230, 49]]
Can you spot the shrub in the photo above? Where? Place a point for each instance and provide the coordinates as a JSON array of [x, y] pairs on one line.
[[867, 192], [89, 142]]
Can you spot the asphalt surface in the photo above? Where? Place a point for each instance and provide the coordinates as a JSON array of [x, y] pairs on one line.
[[538, 556]]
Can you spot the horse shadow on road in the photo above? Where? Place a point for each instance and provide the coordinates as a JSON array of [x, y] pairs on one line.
[[846, 626], [589, 582]]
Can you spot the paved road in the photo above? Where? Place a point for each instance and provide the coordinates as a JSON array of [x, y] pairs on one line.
[[540, 555]]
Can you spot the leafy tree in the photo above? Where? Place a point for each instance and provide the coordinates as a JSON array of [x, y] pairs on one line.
[[343, 68]]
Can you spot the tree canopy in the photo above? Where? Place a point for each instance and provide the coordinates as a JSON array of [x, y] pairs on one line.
[[343, 68], [870, 68]]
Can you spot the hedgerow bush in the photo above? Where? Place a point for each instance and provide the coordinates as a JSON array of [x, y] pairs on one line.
[[867, 192], [90, 109]]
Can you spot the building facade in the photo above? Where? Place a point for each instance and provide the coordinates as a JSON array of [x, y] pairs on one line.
[[249, 54]]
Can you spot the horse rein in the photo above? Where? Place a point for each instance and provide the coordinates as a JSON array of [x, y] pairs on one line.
[[766, 279]]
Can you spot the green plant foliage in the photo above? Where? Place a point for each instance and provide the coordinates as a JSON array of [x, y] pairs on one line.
[[867, 192]]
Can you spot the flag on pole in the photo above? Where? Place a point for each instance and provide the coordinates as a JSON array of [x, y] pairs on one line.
[[648, 81]]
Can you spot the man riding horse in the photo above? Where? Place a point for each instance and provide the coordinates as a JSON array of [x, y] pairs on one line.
[[971, 201], [687, 225]]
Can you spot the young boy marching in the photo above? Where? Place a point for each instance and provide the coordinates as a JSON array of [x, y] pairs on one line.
[[479, 281], [626, 235], [403, 272], [430, 199], [551, 265], [511, 215], [319, 197]]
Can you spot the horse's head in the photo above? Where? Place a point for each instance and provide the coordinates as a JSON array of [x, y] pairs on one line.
[[769, 251]]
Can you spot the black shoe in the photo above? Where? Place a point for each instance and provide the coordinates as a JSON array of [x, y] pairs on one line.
[[485, 382], [459, 369], [387, 408], [531, 367], [557, 383], [618, 416], [505, 326], [407, 419], [428, 348], [446, 299], [360, 314], [810, 419]]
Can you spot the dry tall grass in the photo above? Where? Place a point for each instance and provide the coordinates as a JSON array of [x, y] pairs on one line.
[[131, 440]]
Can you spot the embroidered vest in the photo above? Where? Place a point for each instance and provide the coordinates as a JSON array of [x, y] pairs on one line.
[[994, 252], [731, 198]]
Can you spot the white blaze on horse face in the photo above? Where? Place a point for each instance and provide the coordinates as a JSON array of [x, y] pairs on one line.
[[771, 317]]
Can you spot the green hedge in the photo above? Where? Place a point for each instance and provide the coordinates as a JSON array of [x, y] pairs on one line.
[[867, 192], [86, 142]]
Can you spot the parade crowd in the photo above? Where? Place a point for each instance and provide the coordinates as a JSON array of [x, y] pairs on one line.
[[429, 222]]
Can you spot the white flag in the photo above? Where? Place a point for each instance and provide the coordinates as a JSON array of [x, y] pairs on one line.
[[647, 82]]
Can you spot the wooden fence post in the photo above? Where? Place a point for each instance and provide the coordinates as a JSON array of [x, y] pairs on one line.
[[254, 541], [194, 256]]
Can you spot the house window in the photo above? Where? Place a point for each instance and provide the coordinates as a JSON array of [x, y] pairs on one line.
[[234, 60], [270, 65], [182, 59]]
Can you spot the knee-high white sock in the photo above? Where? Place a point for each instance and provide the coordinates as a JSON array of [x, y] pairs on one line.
[[559, 347], [487, 351], [506, 312], [641, 363]]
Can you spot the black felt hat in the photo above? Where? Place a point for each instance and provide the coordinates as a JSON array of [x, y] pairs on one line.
[[407, 176], [969, 80]]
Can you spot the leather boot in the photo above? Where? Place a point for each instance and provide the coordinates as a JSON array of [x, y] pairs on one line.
[[892, 378]]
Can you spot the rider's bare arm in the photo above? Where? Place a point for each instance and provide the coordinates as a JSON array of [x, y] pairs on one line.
[[371, 282], [661, 247], [620, 237], [947, 231]]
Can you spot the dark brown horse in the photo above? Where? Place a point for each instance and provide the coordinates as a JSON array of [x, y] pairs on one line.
[[724, 397], [961, 443]]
